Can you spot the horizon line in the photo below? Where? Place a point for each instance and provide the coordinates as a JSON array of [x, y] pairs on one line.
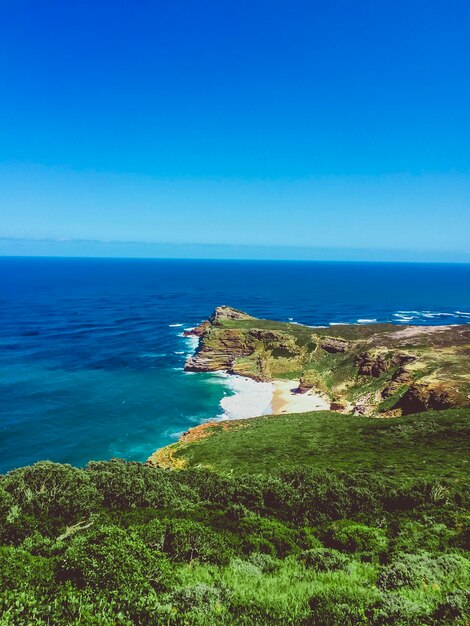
[[95, 248], [223, 260]]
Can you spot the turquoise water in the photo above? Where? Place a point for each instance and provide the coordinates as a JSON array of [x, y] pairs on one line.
[[91, 356]]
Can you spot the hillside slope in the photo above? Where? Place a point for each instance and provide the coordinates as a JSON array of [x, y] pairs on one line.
[[269, 539], [425, 445]]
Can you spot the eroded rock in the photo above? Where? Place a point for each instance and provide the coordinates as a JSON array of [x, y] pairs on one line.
[[429, 396], [372, 364], [333, 344], [227, 313]]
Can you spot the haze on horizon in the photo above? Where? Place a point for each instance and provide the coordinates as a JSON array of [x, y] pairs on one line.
[[236, 130]]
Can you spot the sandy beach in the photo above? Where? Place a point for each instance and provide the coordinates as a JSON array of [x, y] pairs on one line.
[[250, 398], [286, 399]]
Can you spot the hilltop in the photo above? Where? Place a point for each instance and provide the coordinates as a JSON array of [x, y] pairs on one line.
[[432, 444]]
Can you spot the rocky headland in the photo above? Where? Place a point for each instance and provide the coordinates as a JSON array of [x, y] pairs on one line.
[[375, 369]]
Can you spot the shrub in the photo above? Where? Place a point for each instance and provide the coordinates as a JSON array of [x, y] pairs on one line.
[[208, 486], [123, 484], [57, 493], [401, 610], [415, 536], [322, 496], [337, 608], [152, 534], [199, 598], [130, 530], [269, 536], [423, 569], [6, 502], [264, 562], [280, 498], [324, 559], [353, 537], [248, 491], [21, 570], [455, 606], [111, 558], [186, 540]]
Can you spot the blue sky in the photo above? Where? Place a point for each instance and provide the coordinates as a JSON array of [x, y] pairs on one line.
[[223, 128]]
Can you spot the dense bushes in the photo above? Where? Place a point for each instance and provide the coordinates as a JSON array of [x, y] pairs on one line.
[[111, 558], [354, 537], [122, 543]]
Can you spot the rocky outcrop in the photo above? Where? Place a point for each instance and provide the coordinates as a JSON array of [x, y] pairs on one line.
[[197, 331], [218, 349], [226, 313], [310, 380], [425, 396], [304, 385], [365, 370], [222, 347], [402, 376], [375, 362], [337, 406], [277, 341], [334, 344], [364, 404], [221, 314], [372, 364]]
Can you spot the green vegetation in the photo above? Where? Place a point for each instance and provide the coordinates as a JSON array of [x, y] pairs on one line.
[[431, 444], [286, 531], [318, 519]]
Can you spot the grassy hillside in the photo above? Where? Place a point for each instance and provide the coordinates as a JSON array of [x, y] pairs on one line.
[[429, 445]]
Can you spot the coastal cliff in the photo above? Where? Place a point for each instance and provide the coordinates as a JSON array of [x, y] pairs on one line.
[[365, 369]]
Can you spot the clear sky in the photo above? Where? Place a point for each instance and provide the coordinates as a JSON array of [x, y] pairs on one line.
[[236, 128]]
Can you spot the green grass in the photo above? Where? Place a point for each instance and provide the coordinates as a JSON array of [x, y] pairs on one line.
[[347, 331], [432, 444]]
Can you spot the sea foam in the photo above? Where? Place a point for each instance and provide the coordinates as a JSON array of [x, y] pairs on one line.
[[248, 398]]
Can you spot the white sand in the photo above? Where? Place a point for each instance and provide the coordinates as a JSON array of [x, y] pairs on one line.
[[286, 399], [249, 398]]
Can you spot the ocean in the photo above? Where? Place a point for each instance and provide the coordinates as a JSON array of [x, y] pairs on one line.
[[92, 350]]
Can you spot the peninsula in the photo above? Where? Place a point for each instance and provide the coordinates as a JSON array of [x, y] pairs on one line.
[[373, 369], [417, 375]]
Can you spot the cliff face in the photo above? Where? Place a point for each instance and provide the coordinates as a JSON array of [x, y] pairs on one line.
[[219, 347], [230, 340], [379, 368]]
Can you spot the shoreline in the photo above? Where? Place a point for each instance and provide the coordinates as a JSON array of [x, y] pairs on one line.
[[251, 398], [287, 399]]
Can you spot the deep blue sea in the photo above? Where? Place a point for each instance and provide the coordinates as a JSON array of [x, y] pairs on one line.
[[91, 350]]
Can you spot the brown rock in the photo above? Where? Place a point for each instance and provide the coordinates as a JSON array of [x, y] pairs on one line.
[[337, 406], [333, 344], [370, 364], [401, 377], [304, 386], [227, 313], [218, 349], [198, 330], [427, 396]]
